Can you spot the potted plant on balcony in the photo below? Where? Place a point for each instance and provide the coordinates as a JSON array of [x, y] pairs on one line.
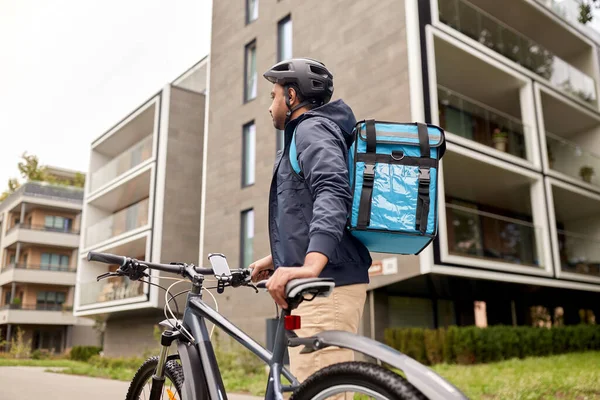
[[500, 139], [16, 303], [586, 173]]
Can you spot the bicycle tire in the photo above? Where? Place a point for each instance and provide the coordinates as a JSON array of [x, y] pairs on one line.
[[173, 371], [358, 375]]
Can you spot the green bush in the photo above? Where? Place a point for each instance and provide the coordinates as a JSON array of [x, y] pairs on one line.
[[473, 345], [84, 353]]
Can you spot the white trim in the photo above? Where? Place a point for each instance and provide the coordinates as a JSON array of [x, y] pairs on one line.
[[161, 177], [573, 181], [549, 182], [128, 239], [492, 161], [568, 101], [460, 40], [503, 277], [205, 147], [415, 79], [539, 213], [191, 71], [123, 122], [490, 264], [116, 239], [579, 277], [119, 180], [115, 307], [487, 54], [528, 115]]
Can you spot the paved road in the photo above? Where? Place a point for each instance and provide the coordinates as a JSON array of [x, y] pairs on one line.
[[32, 383]]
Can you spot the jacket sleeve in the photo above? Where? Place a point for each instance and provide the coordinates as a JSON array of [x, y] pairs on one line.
[[322, 156]]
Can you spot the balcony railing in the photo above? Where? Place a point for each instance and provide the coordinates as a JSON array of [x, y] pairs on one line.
[[494, 34], [125, 161], [44, 228], [109, 289], [41, 267], [579, 253], [484, 235], [569, 11], [476, 121], [132, 217], [571, 159], [38, 307]]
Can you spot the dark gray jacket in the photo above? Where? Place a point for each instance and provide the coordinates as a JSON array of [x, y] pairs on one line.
[[308, 213]]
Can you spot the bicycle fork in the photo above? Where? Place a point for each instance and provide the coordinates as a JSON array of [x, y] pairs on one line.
[[158, 378]]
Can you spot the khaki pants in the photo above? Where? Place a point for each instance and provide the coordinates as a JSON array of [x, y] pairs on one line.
[[342, 310]]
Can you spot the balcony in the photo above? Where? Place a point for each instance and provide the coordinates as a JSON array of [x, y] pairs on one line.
[[42, 235], [577, 239], [573, 160], [491, 32], [126, 220], [488, 236], [39, 314], [491, 215], [569, 11], [108, 290], [480, 123], [42, 274], [127, 160]]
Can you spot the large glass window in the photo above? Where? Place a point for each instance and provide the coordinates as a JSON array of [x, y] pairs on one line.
[[247, 238], [251, 10], [284, 38], [250, 77], [248, 154], [54, 261], [54, 222]]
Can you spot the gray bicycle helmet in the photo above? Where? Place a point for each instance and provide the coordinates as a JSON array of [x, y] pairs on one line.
[[310, 77]]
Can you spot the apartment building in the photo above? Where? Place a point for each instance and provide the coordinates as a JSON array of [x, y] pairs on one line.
[[515, 86], [39, 238], [142, 200]]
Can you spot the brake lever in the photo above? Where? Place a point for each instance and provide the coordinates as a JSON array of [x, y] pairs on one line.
[[106, 275]]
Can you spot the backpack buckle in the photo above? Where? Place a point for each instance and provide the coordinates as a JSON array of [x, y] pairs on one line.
[[369, 171], [424, 175]]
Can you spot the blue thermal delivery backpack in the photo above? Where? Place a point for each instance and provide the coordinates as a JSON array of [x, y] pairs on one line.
[[393, 171]]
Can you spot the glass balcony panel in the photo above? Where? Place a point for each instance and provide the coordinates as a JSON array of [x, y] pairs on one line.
[[128, 219], [572, 159]]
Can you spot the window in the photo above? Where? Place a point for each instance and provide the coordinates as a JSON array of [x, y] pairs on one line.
[[12, 258], [284, 38], [53, 222], [50, 300], [251, 10], [247, 236], [280, 138], [54, 261], [248, 154], [250, 79]]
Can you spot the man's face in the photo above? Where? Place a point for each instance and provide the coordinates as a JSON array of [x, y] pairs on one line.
[[278, 108]]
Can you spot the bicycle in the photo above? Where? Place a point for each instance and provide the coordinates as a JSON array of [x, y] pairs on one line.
[[194, 372]]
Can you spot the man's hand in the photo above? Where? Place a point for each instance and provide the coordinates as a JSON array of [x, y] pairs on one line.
[[261, 268], [313, 265]]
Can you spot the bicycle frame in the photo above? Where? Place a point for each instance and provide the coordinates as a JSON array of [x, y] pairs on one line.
[[199, 362]]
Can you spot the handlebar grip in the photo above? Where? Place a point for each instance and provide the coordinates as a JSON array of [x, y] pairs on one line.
[[106, 258]]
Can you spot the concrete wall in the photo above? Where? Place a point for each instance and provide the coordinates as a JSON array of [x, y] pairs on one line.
[[365, 48], [79, 335], [132, 335]]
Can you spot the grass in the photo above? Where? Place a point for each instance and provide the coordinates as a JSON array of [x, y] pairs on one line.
[[574, 376], [569, 376]]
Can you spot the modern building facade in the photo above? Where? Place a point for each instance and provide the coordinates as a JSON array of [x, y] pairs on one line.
[[514, 84], [39, 240], [142, 199]]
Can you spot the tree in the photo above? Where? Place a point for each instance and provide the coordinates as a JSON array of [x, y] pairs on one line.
[[30, 168], [585, 10]]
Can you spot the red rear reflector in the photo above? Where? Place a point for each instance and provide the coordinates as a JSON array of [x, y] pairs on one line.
[[292, 322]]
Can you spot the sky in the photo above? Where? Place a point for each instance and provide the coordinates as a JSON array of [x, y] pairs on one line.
[[71, 69]]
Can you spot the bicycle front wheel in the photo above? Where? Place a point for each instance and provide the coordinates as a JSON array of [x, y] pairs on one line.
[[356, 380], [141, 384]]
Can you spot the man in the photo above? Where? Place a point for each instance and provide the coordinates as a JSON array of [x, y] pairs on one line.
[[308, 211]]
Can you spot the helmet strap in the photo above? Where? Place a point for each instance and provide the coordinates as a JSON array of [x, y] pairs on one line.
[[291, 110]]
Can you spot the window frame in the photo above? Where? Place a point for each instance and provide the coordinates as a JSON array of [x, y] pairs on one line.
[[280, 24], [243, 229], [247, 48]]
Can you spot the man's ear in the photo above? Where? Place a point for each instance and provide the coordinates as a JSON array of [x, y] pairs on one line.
[[292, 95]]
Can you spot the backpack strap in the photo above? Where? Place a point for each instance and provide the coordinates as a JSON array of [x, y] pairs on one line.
[[423, 200], [294, 155], [366, 195]]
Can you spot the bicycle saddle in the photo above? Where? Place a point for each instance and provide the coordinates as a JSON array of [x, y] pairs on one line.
[[321, 287]]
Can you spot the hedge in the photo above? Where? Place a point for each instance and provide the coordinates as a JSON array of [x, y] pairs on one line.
[[473, 345], [84, 353]]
